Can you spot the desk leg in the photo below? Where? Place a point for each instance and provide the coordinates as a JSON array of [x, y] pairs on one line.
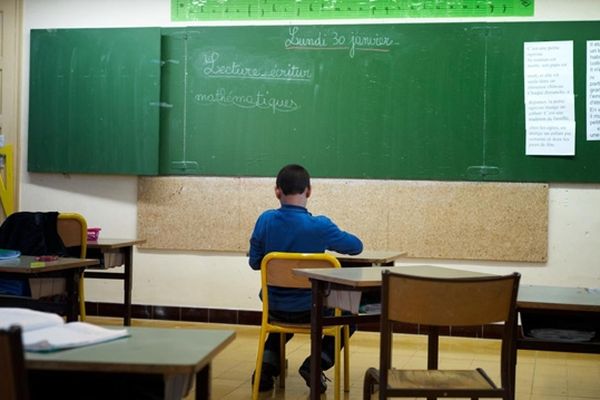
[[433, 344], [72, 286], [127, 284], [433, 340], [203, 383], [316, 334], [513, 364]]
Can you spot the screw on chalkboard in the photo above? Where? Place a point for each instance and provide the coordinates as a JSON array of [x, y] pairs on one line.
[[481, 171]]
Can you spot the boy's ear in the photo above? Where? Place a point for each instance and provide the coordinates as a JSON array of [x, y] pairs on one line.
[[278, 192], [308, 192]]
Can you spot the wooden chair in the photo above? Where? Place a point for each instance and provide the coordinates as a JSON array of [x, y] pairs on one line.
[[72, 229], [436, 302], [277, 270], [13, 382]]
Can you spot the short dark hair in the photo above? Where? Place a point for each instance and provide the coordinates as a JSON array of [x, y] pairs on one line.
[[293, 179]]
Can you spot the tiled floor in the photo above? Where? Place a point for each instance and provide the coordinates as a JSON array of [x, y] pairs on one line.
[[540, 375]]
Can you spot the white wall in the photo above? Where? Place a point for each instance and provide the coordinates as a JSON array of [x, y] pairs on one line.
[[225, 281]]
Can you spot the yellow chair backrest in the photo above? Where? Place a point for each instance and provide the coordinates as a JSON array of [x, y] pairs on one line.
[[72, 229], [277, 270]]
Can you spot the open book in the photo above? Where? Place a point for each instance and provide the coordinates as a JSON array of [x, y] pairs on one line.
[[44, 331]]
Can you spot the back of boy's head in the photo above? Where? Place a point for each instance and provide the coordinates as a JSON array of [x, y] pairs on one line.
[[293, 179]]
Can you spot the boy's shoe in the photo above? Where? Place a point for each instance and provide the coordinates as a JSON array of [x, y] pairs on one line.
[[267, 378], [304, 372]]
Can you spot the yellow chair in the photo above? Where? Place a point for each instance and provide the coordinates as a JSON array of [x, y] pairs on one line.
[[13, 383], [72, 229], [437, 302], [277, 270]]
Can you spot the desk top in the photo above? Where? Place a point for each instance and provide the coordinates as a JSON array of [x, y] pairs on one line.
[[147, 350], [22, 265], [113, 243], [371, 276], [374, 257], [558, 298]]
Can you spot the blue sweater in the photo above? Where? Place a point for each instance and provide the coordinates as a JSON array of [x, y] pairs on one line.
[[293, 229]]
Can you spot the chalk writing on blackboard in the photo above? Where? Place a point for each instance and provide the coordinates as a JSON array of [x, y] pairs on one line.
[[333, 40], [215, 68], [260, 100]]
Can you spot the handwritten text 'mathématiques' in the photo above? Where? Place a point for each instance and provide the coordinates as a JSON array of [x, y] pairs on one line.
[[261, 100]]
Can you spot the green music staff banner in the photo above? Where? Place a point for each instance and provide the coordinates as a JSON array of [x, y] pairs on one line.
[[211, 10]]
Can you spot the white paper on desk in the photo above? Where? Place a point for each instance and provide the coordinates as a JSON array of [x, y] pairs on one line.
[[73, 334]]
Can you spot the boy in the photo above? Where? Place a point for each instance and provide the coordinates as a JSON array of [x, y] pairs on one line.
[[292, 228]]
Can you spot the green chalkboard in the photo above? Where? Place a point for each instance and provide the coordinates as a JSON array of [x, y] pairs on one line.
[[409, 101], [94, 101], [505, 117]]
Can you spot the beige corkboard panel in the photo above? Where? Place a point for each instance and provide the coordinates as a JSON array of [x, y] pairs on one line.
[[427, 219]]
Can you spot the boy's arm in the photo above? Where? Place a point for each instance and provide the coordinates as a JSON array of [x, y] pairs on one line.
[[256, 254], [257, 247], [341, 241]]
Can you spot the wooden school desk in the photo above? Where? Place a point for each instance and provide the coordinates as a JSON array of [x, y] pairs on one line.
[[333, 287], [176, 355], [115, 252], [69, 268], [558, 311]]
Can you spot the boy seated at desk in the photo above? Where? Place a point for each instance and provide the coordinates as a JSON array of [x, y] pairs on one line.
[[291, 228]]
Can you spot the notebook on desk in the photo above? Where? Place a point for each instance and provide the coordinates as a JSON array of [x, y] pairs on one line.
[[44, 332]]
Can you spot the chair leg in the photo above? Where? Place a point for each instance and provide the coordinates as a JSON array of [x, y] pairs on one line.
[[282, 369], [371, 378], [259, 361], [82, 315], [346, 330], [336, 363]]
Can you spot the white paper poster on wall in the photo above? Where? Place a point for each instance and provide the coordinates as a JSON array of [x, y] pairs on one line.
[[549, 101], [593, 90]]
